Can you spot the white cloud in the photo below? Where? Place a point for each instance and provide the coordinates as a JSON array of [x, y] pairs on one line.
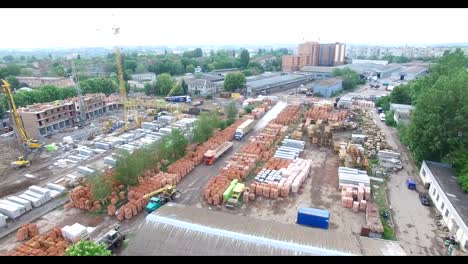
[[30, 28]]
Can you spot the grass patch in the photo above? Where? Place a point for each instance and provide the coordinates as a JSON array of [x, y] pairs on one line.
[[252, 174], [379, 195]]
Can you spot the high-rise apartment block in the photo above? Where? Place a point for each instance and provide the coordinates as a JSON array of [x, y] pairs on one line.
[[315, 54]]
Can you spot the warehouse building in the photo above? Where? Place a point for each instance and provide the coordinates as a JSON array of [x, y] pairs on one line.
[[318, 72], [201, 87], [411, 73], [177, 229], [276, 83], [401, 113], [448, 197], [328, 87], [39, 81]]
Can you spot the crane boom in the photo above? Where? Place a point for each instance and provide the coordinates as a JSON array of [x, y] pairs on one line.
[[14, 111]]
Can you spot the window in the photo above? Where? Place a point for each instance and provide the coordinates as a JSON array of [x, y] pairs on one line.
[[424, 172], [437, 199], [446, 213], [442, 207], [434, 192]]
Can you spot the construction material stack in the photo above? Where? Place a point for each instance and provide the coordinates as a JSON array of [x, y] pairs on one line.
[[349, 176], [355, 198]]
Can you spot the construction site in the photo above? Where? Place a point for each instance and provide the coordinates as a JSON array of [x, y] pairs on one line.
[[273, 164]]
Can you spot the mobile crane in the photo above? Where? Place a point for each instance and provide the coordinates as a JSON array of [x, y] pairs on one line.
[[29, 144], [160, 197]]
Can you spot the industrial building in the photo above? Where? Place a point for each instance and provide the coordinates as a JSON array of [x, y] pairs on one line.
[[48, 118], [201, 87], [411, 73], [328, 87], [401, 113], [318, 72], [173, 229], [144, 77], [39, 81], [346, 101], [448, 197], [276, 83], [379, 62]]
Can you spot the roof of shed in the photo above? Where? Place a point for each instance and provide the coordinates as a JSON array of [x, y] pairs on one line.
[[176, 229]]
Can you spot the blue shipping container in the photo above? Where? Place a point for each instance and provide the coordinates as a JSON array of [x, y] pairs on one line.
[[313, 217]]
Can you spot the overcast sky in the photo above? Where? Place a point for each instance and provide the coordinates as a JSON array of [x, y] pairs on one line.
[[50, 28]]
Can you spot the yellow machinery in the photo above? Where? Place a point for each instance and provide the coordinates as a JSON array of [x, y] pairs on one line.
[[28, 143], [166, 189]]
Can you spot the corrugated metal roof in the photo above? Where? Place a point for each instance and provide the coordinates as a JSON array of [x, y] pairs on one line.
[[182, 230], [274, 80]]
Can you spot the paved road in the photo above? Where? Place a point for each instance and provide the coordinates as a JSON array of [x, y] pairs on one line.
[[414, 223], [192, 184]]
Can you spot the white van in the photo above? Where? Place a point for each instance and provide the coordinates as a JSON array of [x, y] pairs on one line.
[[382, 117]]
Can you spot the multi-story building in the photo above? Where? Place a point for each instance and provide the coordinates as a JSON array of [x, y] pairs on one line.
[[42, 119], [39, 81], [48, 118], [290, 63], [308, 53], [332, 54]]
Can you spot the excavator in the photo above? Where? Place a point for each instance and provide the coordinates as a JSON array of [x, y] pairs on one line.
[[29, 144], [160, 197]]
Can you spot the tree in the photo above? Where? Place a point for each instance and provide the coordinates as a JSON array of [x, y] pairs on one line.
[[178, 143], [15, 84], [231, 111], [87, 248], [100, 187], [440, 120], [384, 103], [149, 89], [233, 81], [176, 90], [190, 68], [350, 78], [401, 95], [99, 85], [248, 108], [164, 83], [8, 58], [244, 58], [205, 126], [184, 87], [389, 119]]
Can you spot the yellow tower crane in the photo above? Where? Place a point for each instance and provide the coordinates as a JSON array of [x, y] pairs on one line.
[[29, 144], [122, 91]]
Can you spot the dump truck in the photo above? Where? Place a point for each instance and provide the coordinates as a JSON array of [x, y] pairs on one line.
[[179, 99], [212, 155], [244, 128]]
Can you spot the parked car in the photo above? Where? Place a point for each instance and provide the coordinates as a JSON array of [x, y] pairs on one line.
[[424, 198], [382, 117]]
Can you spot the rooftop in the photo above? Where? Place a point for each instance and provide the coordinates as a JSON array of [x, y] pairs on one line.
[[445, 177], [401, 107], [198, 82], [318, 69], [415, 69], [256, 84], [176, 229], [330, 81]]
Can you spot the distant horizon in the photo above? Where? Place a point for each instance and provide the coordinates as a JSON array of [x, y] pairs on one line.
[[79, 28], [237, 46]]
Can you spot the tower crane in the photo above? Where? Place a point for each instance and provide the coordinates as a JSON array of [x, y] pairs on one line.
[[122, 91], [82, 105], [29, 144]]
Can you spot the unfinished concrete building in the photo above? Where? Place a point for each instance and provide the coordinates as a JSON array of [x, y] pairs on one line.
[[42, 119]]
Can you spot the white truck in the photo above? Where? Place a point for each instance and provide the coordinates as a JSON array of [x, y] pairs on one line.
[[212, 155], [244, 128]]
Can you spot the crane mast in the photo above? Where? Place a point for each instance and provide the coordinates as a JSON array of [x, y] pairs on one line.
[[122, 91], [14, 112], [82, 104]]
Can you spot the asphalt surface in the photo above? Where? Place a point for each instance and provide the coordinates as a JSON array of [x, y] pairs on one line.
[[192, 184]]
